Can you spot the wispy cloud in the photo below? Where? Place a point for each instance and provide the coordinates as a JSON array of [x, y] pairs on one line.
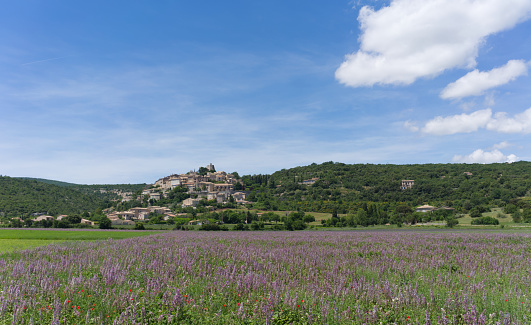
[[45, 60]]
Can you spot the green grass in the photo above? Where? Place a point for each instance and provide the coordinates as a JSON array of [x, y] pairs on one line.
[[508, 220], [8, 245], [17, 239]]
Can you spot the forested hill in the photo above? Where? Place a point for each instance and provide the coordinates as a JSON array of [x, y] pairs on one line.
[[49, 181], [344, 187], [20, 197]]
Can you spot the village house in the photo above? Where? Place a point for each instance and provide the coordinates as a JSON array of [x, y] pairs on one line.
[[44, 217], [87, 222], [119, 222], [154, 196], [425, 208], [190, 203], [310, 181], [140, 213], [238, 196], [223, 188], [159, 210], [169, 216], [126, 215]]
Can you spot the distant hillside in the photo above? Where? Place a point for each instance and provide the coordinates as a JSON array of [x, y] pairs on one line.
[[106, 191], [345, 187], [19, 197], [49, 181]]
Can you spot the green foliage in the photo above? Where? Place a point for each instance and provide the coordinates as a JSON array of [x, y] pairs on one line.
[[22, 197], [451, 222], [485, 221], [510, 208], [213, 227], [105, 223], [475, 213], [202, 171], [175, 196], [517, 217], [343, 188], [257, 225], [140, 226], [241, 227]]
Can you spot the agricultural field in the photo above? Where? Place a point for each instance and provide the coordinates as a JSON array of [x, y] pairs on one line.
[[17, 239], [340, 277]]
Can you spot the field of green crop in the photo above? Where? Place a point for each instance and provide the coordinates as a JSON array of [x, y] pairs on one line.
[[17, 239]]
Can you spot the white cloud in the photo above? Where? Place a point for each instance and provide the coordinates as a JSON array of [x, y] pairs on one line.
[[520, 123], [410, 39], [463, 123], [411, 126], [485, 157], [501, 145], [475, 82], [466, 123]]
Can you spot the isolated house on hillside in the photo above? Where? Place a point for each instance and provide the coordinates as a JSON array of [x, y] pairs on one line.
[[407, 184], [310, 181]]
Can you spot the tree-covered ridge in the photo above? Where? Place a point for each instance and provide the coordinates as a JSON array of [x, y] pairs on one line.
[[49, 181], [21, 197], [344, 187], [105, 191]]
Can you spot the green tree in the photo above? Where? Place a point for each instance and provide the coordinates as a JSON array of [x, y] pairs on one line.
[[105, 223], [517, 217], [510, 208], [485, 221], [73, 219], [16, 223], [451, 222], [475, 213], [308, 218]]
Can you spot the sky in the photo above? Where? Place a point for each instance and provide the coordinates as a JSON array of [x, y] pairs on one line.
[[109, 92]]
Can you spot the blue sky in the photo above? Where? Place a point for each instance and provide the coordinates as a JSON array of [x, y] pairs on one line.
[[130, 91]]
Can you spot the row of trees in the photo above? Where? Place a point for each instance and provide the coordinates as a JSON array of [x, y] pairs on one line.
[[71, 221]]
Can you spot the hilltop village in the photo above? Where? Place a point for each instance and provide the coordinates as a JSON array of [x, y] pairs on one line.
[[205, 184], [359, 194]]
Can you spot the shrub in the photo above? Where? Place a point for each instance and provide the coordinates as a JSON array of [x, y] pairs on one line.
[[213, 227], [510, 208], [105, 223], [451, 222], [485, 221], [241, 227], [475, 213], [517, 217], [257, 225]]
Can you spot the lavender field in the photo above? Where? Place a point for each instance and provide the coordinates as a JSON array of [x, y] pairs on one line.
[[385, 277]]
